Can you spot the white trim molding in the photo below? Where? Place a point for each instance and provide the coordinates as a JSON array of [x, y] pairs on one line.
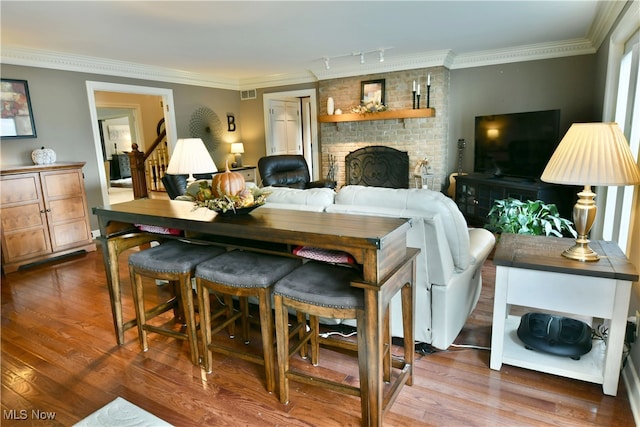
[[632, 382], [339, 69]]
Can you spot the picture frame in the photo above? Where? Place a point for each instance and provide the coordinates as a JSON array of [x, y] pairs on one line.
[[372, 90], [16, 117]]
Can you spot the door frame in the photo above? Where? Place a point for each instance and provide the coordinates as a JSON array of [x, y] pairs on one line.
[[169, 119], [313, 158]]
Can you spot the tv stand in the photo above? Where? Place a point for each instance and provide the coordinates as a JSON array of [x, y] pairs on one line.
[[476, 194]]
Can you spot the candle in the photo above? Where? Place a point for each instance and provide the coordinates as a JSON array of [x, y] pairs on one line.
[[429, 79], [418, 92], [414, 85]]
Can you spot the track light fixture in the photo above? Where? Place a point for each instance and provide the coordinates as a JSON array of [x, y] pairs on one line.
[[380, 52]]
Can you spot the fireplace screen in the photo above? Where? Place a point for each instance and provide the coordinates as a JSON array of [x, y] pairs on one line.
[[378, 166]]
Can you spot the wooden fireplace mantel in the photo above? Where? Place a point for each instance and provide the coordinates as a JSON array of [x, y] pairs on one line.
[[384, 115]]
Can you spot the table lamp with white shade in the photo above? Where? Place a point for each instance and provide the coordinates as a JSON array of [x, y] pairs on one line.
[[190, 157], [237, 148], [590, 154]]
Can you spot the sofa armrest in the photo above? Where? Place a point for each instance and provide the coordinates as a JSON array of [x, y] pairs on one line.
[[439, 260], [482, 243]]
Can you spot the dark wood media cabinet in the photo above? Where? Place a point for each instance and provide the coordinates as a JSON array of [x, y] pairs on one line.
[[476, 193]]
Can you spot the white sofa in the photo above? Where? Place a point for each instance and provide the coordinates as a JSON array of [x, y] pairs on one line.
[[448, 281]]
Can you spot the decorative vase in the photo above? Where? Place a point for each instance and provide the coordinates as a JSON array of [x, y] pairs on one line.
[[330, 106], [43, 156]]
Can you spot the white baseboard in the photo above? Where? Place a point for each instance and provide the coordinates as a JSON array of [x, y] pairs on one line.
[[632, 382]]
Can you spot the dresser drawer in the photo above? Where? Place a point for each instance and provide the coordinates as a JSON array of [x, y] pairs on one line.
[[249, 173]]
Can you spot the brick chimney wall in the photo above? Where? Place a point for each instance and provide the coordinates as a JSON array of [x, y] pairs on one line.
[[420, 137]]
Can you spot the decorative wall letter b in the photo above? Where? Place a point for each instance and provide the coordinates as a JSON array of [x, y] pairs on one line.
[[231, 122]]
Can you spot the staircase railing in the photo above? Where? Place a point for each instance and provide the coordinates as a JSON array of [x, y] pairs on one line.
[[148, 168]]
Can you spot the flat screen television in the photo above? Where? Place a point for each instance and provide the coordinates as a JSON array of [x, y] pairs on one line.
[[517, 144]]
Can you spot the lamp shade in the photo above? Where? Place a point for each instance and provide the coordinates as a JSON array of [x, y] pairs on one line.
[[592, 154], [237, 148], [190, 156]]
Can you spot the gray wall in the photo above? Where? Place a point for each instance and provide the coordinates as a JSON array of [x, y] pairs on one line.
[[565, 83], [63, 123]]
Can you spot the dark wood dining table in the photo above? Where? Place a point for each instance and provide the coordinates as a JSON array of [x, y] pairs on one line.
[[378, 244]]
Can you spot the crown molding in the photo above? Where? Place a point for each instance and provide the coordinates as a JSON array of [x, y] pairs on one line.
[[344, 68], [524, 53], [606, 14], [93, 65], [285, 79]]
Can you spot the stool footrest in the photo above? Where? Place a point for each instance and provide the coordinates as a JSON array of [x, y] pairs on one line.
[[338, 343], [300, 343], [404, 378], [228, 351], [160, 308], [226, 323], [163, 331], [332, 385]]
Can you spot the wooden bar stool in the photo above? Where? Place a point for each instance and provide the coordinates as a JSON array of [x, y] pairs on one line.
[[176, 262], [320, 289], [241, 274]]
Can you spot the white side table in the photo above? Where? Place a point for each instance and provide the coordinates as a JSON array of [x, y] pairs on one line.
[[531, 272]]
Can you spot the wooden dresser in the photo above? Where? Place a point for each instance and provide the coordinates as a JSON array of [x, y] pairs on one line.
[[44, 213]]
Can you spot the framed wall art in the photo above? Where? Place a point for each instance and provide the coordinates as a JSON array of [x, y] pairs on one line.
[[372, 90], [16, 119]]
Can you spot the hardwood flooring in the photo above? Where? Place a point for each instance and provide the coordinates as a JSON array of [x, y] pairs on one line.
[[59, 356]]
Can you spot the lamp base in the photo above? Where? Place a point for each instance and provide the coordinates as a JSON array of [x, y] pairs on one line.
[[584, 214], [581, 251]]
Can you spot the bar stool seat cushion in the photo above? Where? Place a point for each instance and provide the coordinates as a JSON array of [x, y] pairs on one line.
[[246, 269], [323, 285], [174, 257]]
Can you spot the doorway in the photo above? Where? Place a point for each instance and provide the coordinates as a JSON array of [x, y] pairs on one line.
[[307, 125], [166, 95], [119, 129]]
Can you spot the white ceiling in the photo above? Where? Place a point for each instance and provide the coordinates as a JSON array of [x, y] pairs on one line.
[[239, 45]]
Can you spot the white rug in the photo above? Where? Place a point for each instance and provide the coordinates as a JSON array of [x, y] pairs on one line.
[[121, 413]]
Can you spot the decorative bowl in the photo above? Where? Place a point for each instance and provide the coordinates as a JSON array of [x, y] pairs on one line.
[[238, 211]]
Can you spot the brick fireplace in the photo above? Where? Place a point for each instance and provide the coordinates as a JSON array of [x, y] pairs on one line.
[[419, 137]]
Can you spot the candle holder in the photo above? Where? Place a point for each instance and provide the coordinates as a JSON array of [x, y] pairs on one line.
[[418, 106], [428, 96], [414, 99]]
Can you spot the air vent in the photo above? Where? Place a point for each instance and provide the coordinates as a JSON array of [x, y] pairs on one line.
[[248, 94]]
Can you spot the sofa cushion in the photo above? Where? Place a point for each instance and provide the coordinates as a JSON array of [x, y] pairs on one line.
[[411, 203], [282, 196]]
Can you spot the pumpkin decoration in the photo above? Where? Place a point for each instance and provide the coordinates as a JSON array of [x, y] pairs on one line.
[[43, 156], [227, 183]]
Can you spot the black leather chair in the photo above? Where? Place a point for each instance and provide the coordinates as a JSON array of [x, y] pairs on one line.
[[288, 170], [176, 185]]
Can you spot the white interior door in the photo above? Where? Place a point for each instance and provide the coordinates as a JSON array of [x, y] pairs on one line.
[[285, 127]]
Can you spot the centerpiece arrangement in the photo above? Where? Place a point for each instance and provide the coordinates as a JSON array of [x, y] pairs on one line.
[[369, 106], [228, 194]]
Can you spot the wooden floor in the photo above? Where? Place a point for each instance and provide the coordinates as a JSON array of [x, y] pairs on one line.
[[59, 355]]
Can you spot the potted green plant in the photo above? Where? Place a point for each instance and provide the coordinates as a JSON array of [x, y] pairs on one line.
[[528, 217]]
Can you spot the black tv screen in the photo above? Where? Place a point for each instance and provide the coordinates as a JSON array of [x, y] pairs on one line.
[[518, 144]]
